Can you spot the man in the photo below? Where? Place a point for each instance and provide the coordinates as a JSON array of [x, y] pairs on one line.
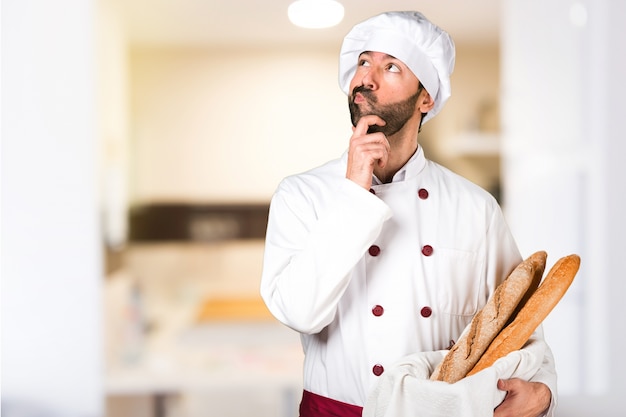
[[382, 253]]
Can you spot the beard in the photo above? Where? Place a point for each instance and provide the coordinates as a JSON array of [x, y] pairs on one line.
[[395, 114]]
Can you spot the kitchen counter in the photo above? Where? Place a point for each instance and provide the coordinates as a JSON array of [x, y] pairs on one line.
[[236, 357]]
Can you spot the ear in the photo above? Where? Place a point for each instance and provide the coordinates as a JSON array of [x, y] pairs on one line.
[[425, 102]]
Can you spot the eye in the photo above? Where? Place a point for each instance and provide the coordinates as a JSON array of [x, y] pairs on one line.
[[393, 68], [363, 63]]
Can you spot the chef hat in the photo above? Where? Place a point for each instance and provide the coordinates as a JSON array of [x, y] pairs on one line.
[[408, 36]]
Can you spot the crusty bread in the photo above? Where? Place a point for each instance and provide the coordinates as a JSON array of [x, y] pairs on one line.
[[539, 262], [539, 305], [490, 320]]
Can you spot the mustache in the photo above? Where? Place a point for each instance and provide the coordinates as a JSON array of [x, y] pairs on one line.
[[365, 92]]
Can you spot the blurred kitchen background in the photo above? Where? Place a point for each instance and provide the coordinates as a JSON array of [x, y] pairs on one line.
[[141, 144]]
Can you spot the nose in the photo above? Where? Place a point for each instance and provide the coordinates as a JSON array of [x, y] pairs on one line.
[[370, 79]]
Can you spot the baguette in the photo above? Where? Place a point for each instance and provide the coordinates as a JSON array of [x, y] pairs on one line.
[[539, 305], [490, 320], [539, 261]]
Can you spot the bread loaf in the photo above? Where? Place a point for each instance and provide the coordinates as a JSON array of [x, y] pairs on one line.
[[538, 306], [539, 262], [490, 320]]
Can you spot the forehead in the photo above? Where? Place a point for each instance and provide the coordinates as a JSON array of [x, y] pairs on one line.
[[378, 54]]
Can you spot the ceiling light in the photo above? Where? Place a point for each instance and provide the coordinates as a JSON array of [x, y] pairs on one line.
[[315, 14]]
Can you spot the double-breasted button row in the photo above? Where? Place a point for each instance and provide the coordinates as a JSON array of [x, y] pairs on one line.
[[427, 250], [374, 250], [378, 311]]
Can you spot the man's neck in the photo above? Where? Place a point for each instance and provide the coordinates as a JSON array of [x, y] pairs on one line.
[[401, 150]]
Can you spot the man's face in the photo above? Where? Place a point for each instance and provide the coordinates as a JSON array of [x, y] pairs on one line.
[[386, 87]]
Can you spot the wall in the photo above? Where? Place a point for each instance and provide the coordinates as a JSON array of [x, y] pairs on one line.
[[465, 136], [226, 126]]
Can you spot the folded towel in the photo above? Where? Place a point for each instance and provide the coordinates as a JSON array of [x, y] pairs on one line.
[[405, 390]]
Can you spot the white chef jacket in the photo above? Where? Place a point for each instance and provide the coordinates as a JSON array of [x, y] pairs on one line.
[[370, 277]]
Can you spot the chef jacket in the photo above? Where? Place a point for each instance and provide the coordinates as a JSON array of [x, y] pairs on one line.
[[367, 278]]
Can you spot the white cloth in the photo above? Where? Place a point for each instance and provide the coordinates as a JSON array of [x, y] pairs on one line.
[[406, 391], [319, 278], [408, 36]]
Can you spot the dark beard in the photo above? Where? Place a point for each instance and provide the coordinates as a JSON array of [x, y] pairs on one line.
[[396, 114]]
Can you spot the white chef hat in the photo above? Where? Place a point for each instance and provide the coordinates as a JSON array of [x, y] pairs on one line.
[[408, 36]]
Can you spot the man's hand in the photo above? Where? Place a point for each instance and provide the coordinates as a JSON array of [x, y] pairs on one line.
[[523, 399], [366, 151]]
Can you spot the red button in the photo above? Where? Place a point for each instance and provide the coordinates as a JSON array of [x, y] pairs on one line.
[[374, 250], [426, 312], [427, 250], [378, 310], [422, 193], [372, 191], [378, 370]]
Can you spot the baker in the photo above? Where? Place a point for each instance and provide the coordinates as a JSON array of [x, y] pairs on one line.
[[382, 253]]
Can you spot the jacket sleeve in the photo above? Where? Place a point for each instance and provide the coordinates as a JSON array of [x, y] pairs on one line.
[[502, 253], [313, 241], [547, 372]]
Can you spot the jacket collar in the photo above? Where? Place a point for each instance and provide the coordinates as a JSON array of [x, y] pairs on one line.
[[411, 169]]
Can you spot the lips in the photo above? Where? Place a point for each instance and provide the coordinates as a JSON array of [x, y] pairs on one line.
[[363, 95], [359, 98]]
